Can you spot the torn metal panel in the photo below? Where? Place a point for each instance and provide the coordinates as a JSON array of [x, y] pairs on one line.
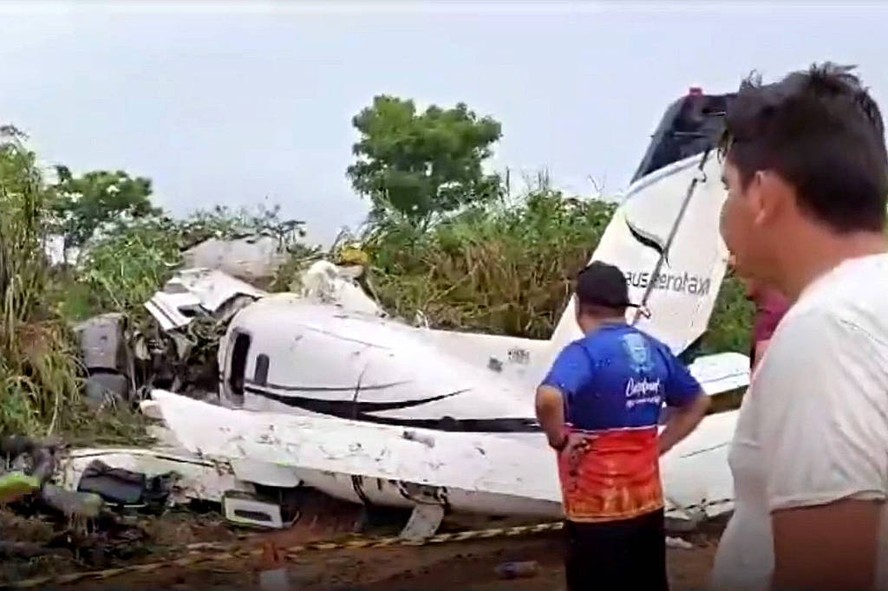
[[103, 342], [212, 288], [199, 292], [173, 310], [423, 523], [324, 282], [197, 478]]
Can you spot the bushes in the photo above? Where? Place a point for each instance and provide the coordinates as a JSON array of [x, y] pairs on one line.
[[506, 269]]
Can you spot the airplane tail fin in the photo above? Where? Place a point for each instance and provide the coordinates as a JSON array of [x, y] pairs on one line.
[[664, 236]]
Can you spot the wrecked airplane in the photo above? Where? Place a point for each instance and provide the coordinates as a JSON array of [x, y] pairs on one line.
[[321, 390]]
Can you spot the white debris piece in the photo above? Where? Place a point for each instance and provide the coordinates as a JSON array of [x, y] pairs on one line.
[[251, 258], [200, 292], [678, 543], [324, 282]]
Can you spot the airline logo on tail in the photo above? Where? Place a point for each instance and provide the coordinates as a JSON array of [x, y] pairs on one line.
[[649, 240], [677, 282]]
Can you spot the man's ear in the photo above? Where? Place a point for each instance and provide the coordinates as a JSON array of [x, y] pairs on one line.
[[770, 197], [755, 197]]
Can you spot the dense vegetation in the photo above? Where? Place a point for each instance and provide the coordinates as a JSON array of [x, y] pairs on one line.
[[444, 237]]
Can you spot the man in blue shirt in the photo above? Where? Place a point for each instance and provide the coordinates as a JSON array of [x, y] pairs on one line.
[[600, 407]]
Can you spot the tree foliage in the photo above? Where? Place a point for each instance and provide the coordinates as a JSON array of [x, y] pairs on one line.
[[83, 204], [422, 163], [505, 268]]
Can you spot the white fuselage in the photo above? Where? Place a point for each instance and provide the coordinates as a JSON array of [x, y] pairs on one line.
[[367, 409], [314, 359], [376, 381]]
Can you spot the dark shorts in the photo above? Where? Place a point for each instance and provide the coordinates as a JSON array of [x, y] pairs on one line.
[[627, 554]]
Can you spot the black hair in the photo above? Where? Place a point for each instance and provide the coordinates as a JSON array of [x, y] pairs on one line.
[[822, 132]]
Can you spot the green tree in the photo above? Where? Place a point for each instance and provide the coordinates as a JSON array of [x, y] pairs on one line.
[[83, 204], [422, 164]]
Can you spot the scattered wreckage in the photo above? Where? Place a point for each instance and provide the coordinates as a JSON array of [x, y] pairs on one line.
[[321, 391]]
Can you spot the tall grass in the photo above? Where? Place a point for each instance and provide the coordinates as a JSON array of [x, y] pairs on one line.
[[506, 269], [38, 367], [502, 269]]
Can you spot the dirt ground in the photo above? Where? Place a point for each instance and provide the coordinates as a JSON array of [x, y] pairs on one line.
[[469, 566]]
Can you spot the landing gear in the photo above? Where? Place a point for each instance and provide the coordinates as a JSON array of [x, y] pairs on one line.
[[415, 524], [423, 523]]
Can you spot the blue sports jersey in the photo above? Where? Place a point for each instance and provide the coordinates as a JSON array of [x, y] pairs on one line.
[[615, 382]]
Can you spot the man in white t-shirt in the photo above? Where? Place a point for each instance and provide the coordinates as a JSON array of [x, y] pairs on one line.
[[807, 178]]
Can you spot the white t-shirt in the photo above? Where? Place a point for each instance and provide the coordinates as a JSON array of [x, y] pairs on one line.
[[813, 427]]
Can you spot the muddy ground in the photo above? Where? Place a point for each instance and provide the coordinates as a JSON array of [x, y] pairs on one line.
[[468, 565]]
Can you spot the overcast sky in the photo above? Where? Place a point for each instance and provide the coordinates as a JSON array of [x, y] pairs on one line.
[[233, 102]]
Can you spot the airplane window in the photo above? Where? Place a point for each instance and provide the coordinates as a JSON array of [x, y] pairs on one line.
[[238, 362], [260, 375]]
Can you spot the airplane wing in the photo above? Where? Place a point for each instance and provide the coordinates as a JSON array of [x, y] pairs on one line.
[[721, 372], [695, 472], [469, 461]]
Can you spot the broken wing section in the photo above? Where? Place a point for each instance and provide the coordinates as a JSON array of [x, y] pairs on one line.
[[200, 292], [475, 472]]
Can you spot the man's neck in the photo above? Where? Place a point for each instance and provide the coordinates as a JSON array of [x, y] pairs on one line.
[[590, 326], [824, 251]]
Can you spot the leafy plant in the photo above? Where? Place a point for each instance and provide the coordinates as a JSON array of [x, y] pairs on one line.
[[421, 164], [81, 205]]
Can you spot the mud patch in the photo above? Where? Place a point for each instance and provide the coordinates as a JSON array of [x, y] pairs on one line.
[[469, 565]]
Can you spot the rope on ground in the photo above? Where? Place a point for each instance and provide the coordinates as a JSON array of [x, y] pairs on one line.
[[197, 554], [197, 557]]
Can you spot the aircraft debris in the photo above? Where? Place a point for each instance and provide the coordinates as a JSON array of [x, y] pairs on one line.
[[30, 465], [518, 570], [424, 439], [107, 358], [251, 258], [200, 292], [317, 386]]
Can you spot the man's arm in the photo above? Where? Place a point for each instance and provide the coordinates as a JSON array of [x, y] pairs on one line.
[[824, 436], [550, 414], [688, 402], [830, 547], [567, 375]]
